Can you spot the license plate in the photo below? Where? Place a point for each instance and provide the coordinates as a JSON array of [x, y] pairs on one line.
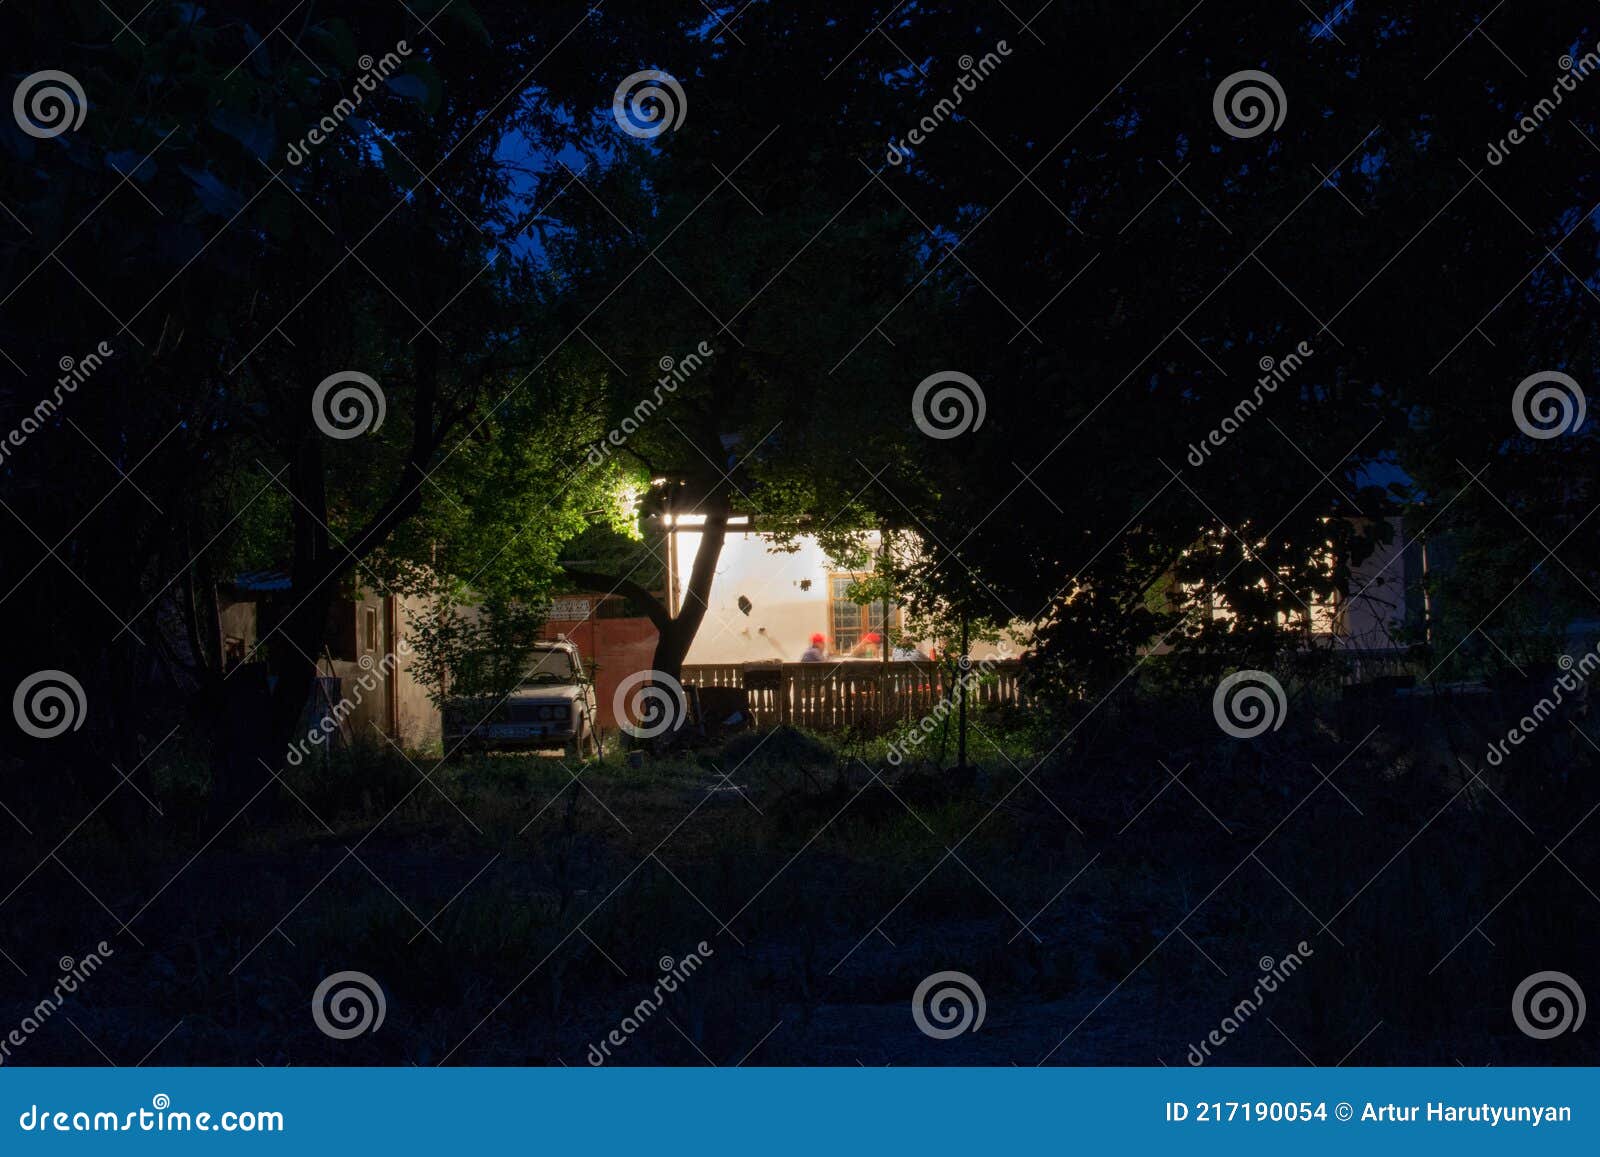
[[514, 731]]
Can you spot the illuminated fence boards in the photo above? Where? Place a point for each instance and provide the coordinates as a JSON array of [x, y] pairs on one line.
[[826, 696]]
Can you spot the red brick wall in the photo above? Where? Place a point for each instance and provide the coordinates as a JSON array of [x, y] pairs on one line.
[[612, 649]]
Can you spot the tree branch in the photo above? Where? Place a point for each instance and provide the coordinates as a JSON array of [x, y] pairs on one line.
[[653, 607]]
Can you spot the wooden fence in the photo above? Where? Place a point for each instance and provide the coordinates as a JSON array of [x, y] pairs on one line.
[[857, 693]]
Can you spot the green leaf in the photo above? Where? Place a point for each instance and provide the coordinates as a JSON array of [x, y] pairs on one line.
[[465, 14], [337, 40], [253, 133], [409, 86], [419, 82]]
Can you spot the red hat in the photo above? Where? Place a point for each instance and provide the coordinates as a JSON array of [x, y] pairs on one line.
[[818, 639]]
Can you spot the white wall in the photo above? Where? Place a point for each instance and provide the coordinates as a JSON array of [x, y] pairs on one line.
[[782, 618], [1375, 609]]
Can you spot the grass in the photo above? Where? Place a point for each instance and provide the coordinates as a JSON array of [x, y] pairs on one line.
[[514, 908]]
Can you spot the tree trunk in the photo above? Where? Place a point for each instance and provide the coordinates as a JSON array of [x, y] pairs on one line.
[[675, 634], [672, 647], [300, 634], [317, 569]]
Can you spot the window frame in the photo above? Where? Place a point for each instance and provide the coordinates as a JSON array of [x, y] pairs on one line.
[[869, 616]]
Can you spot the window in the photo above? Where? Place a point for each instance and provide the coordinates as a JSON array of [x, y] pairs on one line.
[[549, 665], [849, 622], [372, 629], [1316, 615]]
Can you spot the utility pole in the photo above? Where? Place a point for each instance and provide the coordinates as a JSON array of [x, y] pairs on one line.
[[963, 665], [883, 681], [883, 569]]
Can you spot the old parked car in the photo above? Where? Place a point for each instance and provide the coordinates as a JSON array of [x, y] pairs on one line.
[[552, 707]]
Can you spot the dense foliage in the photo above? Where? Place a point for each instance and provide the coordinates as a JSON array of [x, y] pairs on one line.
[[1078, 235]]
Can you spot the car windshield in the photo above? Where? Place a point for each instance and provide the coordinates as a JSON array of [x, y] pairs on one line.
[[549, 665]]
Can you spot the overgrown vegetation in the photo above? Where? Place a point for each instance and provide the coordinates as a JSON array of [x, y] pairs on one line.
[[513, 271], [1111, 895]]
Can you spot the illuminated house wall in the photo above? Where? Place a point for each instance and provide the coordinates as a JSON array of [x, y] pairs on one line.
[[787, 593]]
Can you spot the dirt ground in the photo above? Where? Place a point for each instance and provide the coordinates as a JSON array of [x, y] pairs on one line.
[[1109, 908]]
